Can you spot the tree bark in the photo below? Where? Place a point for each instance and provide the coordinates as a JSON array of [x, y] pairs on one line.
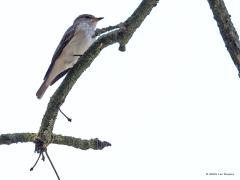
[[227, 30]]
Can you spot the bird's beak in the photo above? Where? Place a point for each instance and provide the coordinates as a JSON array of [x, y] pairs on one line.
[[100, 18]]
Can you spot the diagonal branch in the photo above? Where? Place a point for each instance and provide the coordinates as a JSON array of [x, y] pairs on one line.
[[227, 30], [120, 35]]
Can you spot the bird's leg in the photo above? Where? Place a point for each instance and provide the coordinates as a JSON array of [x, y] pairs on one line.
[[79, 55]]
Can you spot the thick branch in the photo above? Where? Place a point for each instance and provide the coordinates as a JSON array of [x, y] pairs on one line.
[[227, 30], [17, 138], [121, 36], [80, 143], [83, 144]]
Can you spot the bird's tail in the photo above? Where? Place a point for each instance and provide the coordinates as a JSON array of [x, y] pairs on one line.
[[42, 89]]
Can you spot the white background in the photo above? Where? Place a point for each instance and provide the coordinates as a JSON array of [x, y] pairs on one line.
[[169, 104]]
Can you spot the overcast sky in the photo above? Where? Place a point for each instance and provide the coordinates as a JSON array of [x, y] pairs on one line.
[[169, 104]]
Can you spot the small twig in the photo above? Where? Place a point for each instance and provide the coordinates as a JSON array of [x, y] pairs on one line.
[[35, 162], [43, 157], [52, 164], [98, 32], [69, 119]]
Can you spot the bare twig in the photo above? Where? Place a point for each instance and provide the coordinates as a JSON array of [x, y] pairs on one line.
[[52, 164], [68, 118], [31, 169], [99, 32]]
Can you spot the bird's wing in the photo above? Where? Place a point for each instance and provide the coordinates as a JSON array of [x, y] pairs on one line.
[[60, 75], [64, 41]]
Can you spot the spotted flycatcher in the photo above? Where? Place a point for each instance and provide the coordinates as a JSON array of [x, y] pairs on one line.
[[76, 40]]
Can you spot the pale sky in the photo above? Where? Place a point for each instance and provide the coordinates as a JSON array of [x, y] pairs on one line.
[[169, 104]]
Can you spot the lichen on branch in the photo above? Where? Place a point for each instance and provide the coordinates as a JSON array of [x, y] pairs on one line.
[[79, 143]]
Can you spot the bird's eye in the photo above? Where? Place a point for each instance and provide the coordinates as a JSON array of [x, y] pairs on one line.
[[88, 17]]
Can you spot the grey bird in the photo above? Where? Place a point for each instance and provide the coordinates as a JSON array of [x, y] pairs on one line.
[[76, 40]]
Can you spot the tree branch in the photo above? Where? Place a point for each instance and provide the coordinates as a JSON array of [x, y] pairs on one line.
[[121, 35], [82, 144], [227, 30], [17, 138]]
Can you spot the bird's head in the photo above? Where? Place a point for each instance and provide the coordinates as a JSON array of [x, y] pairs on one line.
[[87, 18]]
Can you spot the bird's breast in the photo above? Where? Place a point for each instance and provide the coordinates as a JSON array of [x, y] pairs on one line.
[[80, 42]]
